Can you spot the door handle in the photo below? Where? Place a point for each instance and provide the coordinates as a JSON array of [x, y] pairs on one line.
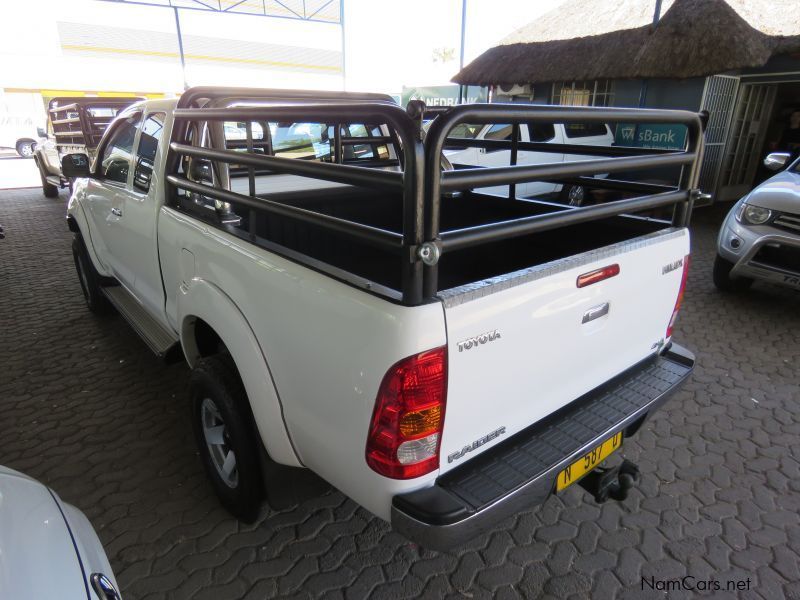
[[117, 212], [596, 312]]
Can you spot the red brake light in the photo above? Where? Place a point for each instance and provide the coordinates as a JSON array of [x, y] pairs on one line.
[[406, 428], [598, 275], [679, 300]]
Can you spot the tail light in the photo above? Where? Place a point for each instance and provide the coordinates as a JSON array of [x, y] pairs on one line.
[[406, 428], [679, 301]]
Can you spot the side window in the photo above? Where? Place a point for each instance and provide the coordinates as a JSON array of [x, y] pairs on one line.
[[499, 132], [152, 127], [116, 159], [541, 132], [465, 131], [579, 130], [363, 151], [300, 140]]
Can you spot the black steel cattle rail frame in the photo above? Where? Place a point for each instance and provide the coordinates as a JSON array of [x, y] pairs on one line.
[[90, 128], [408, 182], [623, 159], [422, 181]]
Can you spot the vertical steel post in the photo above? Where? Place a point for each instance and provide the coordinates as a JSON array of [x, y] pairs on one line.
[[180, 46], [344, 49], [512, 189], [251, 179], [463, 37]]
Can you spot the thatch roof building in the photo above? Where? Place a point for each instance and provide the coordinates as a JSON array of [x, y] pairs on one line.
[[599, 39]]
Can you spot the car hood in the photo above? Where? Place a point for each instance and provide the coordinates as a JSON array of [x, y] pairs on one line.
[[37, 555], [781, 193]]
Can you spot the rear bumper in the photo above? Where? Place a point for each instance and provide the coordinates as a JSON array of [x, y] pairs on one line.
[[521, 471]]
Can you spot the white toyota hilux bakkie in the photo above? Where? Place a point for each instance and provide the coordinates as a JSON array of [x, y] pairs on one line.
[[350, 304]]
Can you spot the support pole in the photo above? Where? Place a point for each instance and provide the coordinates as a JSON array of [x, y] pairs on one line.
[[180, 46], [463, 37], [344, 50]]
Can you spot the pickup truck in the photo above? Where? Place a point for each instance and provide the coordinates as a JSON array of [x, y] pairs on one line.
[[444, 357], [77, 125]]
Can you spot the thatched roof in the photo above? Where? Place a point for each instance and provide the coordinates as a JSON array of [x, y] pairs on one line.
[[601, 39]]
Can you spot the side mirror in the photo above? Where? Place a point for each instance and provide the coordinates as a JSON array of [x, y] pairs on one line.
[[776, 160], [75, 165], [41, 132]]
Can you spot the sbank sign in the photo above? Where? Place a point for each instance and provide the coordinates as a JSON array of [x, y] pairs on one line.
[[646, 135]]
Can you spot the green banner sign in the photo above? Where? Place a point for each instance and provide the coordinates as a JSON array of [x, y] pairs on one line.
[[648, 135]]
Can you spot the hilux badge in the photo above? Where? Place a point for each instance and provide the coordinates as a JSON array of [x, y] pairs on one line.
[[672, 266]]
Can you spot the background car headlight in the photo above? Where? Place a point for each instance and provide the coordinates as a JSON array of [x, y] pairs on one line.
[[755, 215]]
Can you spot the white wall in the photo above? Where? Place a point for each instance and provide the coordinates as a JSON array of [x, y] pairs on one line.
[[104, 46]]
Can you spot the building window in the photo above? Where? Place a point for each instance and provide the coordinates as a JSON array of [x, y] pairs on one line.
[[599, 92]]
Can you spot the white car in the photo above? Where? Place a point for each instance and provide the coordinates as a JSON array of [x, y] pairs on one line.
[[21, 134], [446, 360], [48, 548], [584, 134]]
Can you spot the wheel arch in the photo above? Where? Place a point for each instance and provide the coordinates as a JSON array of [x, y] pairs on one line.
[[209, 321]]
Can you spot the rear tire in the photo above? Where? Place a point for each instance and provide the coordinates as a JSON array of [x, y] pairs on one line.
[[225, 436], [89, 279], [25, 148], [48, 189], [723, 280]]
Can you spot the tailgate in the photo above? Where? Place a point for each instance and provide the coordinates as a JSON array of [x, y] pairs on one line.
[[531, 342]]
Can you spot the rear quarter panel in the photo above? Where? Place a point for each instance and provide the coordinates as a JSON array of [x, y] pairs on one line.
[[327, 344]]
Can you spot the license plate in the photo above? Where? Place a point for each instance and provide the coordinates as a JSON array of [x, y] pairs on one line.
[[588, 461]]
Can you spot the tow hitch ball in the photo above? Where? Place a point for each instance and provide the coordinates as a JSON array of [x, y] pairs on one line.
[[613, 482]]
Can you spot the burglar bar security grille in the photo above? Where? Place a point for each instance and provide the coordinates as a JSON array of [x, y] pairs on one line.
[[719, 97]]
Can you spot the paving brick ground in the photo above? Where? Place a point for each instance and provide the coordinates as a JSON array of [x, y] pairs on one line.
[[87, 409]]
